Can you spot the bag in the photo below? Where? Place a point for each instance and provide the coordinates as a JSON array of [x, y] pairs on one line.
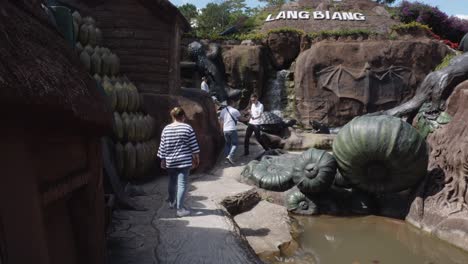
[[234, 119]]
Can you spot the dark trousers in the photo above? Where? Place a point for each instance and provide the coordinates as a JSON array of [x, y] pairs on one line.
[[258, 136]]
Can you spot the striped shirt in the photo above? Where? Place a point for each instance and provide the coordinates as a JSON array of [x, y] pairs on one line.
[[178, 143]]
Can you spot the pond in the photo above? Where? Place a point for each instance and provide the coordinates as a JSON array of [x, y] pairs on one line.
[[367, 240]]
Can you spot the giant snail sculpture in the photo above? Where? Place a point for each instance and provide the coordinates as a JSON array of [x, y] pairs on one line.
[[371, 154]]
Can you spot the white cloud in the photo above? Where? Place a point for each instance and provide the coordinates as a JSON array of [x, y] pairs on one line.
[[462, 16]]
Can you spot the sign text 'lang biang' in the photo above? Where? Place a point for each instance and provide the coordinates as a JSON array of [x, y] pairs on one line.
[[317, 15]]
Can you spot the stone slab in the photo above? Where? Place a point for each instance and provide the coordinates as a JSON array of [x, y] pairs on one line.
[[267, 228]]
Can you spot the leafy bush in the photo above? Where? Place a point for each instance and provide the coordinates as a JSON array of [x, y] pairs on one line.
[[341, 33], [405, 27], [251, 36], [286, 30], [445, 62], [451, 28], [213, 36], [408, 27]]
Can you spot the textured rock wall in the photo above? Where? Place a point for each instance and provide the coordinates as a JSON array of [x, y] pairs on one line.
[[336, 81], [201, 115], [284, 48], [440, 206], [246, 68]]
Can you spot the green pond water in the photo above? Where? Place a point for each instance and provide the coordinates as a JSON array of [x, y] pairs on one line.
[[363, 240]]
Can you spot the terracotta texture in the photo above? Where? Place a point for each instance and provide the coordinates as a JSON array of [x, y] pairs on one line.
[[201, 115], [336, 81], [440, 206]]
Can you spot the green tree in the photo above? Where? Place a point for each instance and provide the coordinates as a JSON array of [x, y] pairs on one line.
[[274, 3], [216, 17], [189, 11]]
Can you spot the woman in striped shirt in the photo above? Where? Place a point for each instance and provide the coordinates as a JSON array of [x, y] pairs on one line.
[[179, 152]]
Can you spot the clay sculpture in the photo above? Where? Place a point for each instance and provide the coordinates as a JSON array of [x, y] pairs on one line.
[[374, 154], [381, 154]]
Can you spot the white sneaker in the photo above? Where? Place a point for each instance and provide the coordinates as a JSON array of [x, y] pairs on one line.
[[172, 205], [182, 212], [229, 159]]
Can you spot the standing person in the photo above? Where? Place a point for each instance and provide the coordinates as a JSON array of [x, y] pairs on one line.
[[229, 117], [204, 85], [256, 112], [179, 152]]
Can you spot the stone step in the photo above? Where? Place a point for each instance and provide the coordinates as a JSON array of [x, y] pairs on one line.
[[271, 236]]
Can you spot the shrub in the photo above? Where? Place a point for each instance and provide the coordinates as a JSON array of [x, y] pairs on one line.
[[213, 36], [341, 33], [286, 30], [405, 27], [445, 62], [451, 44], [451, 28], [251, 36], [408, 27]]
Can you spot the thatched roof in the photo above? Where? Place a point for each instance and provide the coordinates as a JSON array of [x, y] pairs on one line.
[[41, 77]]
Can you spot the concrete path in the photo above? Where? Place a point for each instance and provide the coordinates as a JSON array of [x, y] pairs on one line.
[[207, 236]]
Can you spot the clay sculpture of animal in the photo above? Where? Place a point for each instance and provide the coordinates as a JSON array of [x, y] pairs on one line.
[[381, 154], [374, 154], [314, 171]]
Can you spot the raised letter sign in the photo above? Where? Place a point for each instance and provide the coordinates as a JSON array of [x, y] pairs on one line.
[[348, 16], [304, 15], [291, 14], [268, 19], [281, 15], [318, 15], [359, 17], [337, 16]]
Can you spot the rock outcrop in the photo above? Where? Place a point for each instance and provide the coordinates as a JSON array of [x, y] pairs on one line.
[[284, 48], [376, 19], [440, 206], [201, 115], [245, 69], [336, 81]]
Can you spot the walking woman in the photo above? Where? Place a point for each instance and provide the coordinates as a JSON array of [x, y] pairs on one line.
[[179, 152]]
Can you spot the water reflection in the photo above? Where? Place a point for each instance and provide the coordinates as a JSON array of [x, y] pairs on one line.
[[370, 239]]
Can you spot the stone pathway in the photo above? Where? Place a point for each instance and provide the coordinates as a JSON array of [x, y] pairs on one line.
[[207, 236]]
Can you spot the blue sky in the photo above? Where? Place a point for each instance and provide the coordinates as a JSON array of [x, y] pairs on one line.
[[451, 7]]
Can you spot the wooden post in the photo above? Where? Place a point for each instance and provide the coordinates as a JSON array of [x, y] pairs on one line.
[[174, 60]]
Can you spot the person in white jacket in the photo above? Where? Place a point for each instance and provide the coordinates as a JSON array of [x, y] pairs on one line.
[[256, 113], [204, 85]]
